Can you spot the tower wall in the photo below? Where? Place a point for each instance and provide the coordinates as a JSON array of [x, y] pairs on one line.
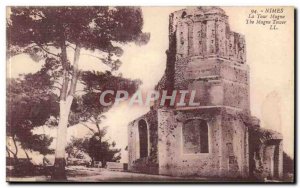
[[205, 56], [210, 58], [172, 160], [227, 155], [149, 163]]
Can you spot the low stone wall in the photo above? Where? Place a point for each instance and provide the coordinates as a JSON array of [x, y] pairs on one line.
[[114, 166]]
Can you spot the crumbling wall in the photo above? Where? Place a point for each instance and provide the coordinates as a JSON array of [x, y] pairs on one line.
[[172, 160], [147, 164], [235, 155], [206, 56], [205, 32], [228, 144], [265, 153], [203, 52], [217, 82]]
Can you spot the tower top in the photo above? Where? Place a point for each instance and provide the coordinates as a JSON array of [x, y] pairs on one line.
[[204, 32], [206, 56], [198, 11]]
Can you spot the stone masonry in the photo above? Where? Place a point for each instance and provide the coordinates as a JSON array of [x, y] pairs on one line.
[[219, 138]]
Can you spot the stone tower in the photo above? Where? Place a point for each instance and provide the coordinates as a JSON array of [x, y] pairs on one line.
[[219, 137], [208, 57]]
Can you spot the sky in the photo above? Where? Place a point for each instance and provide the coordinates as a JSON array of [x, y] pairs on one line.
[[270, 55]]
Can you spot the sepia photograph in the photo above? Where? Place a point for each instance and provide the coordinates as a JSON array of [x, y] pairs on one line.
[[151, 94]]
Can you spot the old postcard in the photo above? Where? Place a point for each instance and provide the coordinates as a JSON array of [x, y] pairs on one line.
[[150, 94]]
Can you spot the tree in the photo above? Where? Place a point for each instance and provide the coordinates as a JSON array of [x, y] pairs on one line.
[[30, 103], [97, 148], [87, 112], [51, 32], [75, 146], [288, 163], [86, 108], [103, 151]]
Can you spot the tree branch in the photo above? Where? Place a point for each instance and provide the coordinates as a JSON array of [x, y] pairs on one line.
[[100, 58], [71, 47], [8, 150], [87, 127], [92, 120], [57, 87], [47, 51], [27, 156], [79, 91], [57, 83], [8, 153], [98, 128]]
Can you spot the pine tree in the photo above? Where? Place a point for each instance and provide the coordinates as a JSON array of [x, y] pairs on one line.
[[50, 33]]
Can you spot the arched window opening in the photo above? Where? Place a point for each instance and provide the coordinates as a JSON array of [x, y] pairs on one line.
[[183, 15], [195, 137], [143, 136]]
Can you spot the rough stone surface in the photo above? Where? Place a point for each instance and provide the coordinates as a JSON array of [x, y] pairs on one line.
[[206, 56], [147, 164]]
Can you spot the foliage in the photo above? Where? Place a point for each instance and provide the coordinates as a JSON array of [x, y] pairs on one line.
[[52, 34], [75, 146], [87, 106], [288, 164], [103, 151], [43, 29], [31, 103], [97, 148]]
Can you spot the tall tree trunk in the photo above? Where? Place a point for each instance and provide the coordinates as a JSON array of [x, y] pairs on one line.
[[66, 99], [27, 156], [61, 139], [7, 151], [16, 147], [98, 128], [100, 148], [15, 154], [9, 161], [92, 162]]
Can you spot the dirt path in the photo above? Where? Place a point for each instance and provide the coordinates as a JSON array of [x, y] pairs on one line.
[[104, 175]]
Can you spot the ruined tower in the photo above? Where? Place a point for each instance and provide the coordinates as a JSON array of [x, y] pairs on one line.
[[209, 57], [214, 138]]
